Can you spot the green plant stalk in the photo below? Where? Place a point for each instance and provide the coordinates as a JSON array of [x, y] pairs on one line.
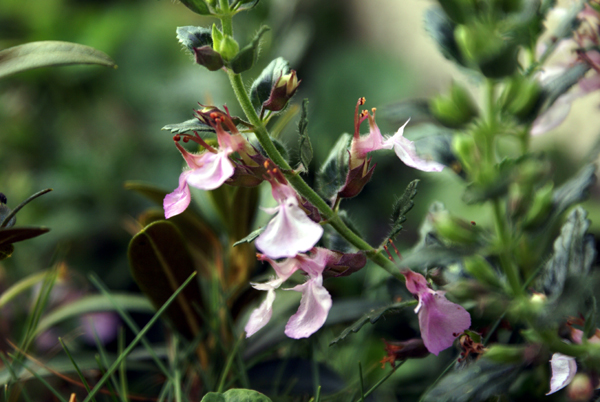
[[229, 363], [79, 373], [301, 186]]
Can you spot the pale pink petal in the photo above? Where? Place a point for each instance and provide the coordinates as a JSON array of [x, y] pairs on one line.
[[261, 315], [177, 201], [552, 117], [415, 282], [212, 171], [406, 151], [564, 369], [284, 269], [314, 307], [441, 321], [373, 141], [290, 232]]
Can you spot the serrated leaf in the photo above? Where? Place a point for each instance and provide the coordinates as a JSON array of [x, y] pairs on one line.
[[16, 234], [558, 86], [160, 262], [372, 316], [47, 54], [332, 175], [188, 126], [261, 87], [247, 56], [441, 29], [250, 238], [477, 382], [236, 395], [192, 37], [401, 206], [573, 191], [574, 253], [306, 150]]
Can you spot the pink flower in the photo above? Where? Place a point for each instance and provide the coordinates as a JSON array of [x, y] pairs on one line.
[[291, 231], [316, 301], [207, 171], [440, 320], [564, 369], [404, 148]]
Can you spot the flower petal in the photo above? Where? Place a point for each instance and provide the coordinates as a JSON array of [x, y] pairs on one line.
[[553, 117], [290, 232], [177, 201], [406, 151], [314, 307], [441, 321], [212, 171], [261, 315], [564, 369]]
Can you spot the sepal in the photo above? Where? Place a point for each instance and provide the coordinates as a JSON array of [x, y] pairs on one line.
[[263, 85], [245, 58]]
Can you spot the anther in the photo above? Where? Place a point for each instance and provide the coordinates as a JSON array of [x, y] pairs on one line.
[[395, 249], [473, 223], [176, 138], [388, 253], [186, 139], [362, 100]]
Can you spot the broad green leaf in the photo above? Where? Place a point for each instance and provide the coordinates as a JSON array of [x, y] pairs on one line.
[[574, 253], [573, 191], [441, 29], [247, 56], [372, 316], [332, 174], [401, 206], [197, 6], [94, 303], [477, 382], [192, 37], [306, 150], [160, 262], [261, 87], [188, 126], [16, 234], [241, 5], [47, 54], [236, 395], [558, 86]]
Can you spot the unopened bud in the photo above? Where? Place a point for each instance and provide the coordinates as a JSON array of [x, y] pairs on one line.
[[505, 353], [282, 92], [455, 109], [521, 97], [458, 11], [228, 47], [465, 149], [454, 229], [580, 389], [540, 206]]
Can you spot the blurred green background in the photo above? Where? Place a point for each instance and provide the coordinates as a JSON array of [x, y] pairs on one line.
[[84, 131]]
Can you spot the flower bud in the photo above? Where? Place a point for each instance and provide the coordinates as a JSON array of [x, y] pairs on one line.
[[540, 207], [458, 11], [454, 229], [505, 353], [580, 389], [480, 269], [455, 109], [282, 92], [228, 47], [198, 6], [521, 97], [465, 149]]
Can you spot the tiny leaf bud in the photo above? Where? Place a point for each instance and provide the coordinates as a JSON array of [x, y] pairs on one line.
[[505, 353], [228, 47], [455, 109]]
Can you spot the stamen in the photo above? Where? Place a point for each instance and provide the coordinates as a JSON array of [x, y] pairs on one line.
[[357, 120], [395, 249], [388, 253], [176, 138], [186, 139]]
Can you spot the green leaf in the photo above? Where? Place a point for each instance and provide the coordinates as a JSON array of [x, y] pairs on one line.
[[197, 6], [261, 87], [188, 126], [573, 191], [401, 207], [160, 262], [236, 395], [441, 29], [574, 253], [243, 4], [47, 54], [558, 86], [246, 57], [16, 234], [306, 150], [332, 175], [192, 37], [479, 381], [372, 316], [250, 238], [94, 303]]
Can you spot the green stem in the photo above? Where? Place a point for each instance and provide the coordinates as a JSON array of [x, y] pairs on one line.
[[300, 185], [509, 268]]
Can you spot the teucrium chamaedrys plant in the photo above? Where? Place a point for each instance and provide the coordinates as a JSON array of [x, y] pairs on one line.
[[523, 270]]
